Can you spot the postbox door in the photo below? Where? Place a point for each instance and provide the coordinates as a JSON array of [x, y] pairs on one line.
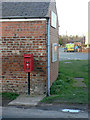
[[28, 62], [27, 65]]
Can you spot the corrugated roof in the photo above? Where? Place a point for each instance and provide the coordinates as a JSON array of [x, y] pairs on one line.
[[25, 9]]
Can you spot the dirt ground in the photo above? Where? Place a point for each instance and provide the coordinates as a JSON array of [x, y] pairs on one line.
[[4, 101]]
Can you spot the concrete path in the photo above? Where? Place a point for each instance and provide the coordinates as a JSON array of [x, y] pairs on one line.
[[27, 107], [79, 82], [27, 100]]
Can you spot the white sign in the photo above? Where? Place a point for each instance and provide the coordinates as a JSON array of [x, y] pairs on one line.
[[53, 19], [54, 52]]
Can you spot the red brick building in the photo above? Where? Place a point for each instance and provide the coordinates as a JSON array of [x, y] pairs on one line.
[[29, 28]]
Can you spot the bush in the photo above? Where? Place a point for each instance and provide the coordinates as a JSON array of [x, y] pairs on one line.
[[10, 96], [57, 86], [63, 82]]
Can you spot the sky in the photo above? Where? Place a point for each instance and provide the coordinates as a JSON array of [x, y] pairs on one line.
[[73, 17]]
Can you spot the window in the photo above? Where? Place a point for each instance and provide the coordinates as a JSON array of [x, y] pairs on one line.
[[54, 52], [53, 19]]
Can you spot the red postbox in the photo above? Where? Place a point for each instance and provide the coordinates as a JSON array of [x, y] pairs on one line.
[[28, 62]]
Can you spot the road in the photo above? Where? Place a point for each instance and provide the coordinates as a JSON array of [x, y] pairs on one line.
[[40, 112], [72, 55]]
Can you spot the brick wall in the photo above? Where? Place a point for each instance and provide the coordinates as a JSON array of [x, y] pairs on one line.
[[86, 50], [19, 38]]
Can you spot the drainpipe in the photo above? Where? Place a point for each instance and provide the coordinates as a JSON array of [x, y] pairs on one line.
[[48, 57]]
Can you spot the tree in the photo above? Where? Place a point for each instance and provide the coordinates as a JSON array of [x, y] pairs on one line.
[[60, 40]]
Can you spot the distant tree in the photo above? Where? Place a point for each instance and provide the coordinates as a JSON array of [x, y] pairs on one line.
[[60, 40], [76, 36]]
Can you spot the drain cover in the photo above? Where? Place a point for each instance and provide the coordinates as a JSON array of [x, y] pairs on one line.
[[70, 110], [67, 62]]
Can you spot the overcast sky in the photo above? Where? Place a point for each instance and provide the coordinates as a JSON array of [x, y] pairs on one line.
[[73, 16]]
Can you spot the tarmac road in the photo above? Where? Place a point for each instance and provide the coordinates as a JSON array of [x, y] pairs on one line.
[[39, 112], [72, 55]]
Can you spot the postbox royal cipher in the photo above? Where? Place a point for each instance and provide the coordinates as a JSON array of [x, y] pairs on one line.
[[28, 62]]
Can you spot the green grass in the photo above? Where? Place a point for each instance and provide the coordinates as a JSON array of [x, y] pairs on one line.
[[78, 68], [62, 89], [10, 96]]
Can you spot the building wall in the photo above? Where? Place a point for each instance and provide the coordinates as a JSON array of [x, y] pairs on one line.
[[0, 58], [54, 36], [87, 41], [54, 65], [19, 38]]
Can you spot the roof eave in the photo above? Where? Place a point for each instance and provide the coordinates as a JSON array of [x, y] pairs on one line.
[[22, 17]]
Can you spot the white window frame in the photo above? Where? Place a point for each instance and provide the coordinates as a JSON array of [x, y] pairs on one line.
[[53, 19], [54, 54]]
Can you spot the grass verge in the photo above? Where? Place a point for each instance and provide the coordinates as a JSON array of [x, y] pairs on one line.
[[10, 96], [62, 90]]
